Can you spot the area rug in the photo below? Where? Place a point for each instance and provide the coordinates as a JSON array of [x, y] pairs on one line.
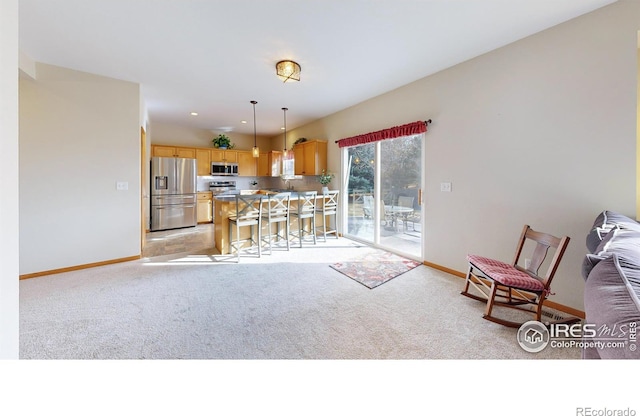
[[374, 269]]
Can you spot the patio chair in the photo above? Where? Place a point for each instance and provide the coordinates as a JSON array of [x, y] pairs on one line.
[[367, 206], [512, 285], [414, 218], [406, 202]]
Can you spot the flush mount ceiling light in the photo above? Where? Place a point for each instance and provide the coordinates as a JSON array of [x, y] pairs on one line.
[[288, 70], [255, 151]]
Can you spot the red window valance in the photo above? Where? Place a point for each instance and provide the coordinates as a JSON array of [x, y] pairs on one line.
[[391, 133]]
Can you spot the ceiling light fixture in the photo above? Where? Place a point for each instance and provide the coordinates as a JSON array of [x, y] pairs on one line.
[[255, 151], [288, 70]]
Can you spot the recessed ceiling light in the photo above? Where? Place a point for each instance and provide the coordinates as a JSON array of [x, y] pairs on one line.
[[281, 128], [193, 113], [243, 121]]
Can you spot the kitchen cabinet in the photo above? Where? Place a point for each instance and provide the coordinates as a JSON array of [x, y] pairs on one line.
[[230, 156], [310, 157], [173, 151], [275, 163], [247, 164], [270, 163], [203, 160], [205, 207], [263, 165]]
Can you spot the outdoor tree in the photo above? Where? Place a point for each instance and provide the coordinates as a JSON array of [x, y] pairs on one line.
[[400, 167]]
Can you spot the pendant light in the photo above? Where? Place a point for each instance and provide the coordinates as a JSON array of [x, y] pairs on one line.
[[255, 151], [284, 111], [287, 156]]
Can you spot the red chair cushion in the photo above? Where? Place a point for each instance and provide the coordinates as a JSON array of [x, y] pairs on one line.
[[505, 274]]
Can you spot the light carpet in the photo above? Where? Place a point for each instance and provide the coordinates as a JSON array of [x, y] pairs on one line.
[[288, 305]]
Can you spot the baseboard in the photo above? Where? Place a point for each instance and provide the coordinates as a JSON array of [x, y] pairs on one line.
[[558, 306], [79, 267], [445, 269]]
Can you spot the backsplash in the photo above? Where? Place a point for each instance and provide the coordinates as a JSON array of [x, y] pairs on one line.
[[305, 183]]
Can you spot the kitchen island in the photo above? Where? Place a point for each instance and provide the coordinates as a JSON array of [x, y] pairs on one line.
[[225, 206]]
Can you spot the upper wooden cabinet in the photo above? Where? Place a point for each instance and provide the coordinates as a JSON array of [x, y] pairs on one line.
[[206, 156], [203, 157], [263, 165], [247, 164], [310, 157], [269, 164], [173, 151], [229, 156]]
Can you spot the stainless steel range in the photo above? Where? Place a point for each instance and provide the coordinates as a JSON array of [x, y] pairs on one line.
[[217, 188]]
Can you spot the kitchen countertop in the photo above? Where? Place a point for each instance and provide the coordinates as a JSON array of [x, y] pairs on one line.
[[230, 196], [225, 207]]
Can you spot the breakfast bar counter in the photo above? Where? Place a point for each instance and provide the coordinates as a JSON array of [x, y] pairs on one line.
[[225, 206]]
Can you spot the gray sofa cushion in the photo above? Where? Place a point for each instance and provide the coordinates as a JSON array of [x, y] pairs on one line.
[[590, 260], [624, 242], [612, 303], [605, 222]]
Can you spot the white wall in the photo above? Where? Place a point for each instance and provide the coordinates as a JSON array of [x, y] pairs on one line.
[[540, 132], [175, 134], [79, 135], [9, 307]]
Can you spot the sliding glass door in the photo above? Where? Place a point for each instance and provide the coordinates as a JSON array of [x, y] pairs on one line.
[[384, 183], [361, 167]]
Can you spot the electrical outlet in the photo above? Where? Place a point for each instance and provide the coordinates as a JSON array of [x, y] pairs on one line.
[[122, 186], [527, 263], [445, 187]]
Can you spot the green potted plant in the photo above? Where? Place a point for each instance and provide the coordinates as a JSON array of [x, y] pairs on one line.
[[222, 141], [325, 179]]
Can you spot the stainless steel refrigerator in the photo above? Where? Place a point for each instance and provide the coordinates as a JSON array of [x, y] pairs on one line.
[[173, 193]]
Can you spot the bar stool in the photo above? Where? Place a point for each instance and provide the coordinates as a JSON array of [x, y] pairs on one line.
[[306, 210], [248, 214], [328, 208], [276, 212]]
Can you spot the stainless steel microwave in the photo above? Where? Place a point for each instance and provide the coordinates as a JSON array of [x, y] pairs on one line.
[[224, 169]]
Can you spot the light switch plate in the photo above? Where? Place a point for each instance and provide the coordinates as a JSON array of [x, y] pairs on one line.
[[122, 186], [445, 187]]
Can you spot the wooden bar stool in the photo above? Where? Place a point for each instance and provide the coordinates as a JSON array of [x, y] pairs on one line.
[[248, 214], [276, 211], [306, 210], [328, 208]]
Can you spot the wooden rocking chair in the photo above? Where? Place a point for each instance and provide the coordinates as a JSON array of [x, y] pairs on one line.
[[515, 286]]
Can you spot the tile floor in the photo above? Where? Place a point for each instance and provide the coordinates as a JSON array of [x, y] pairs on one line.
[[159, 243], [201, 237]]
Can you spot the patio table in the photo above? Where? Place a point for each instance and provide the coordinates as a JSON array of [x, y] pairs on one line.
[[397, 211]]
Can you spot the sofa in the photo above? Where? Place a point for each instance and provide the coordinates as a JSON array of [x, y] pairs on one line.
[[611, 269]]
